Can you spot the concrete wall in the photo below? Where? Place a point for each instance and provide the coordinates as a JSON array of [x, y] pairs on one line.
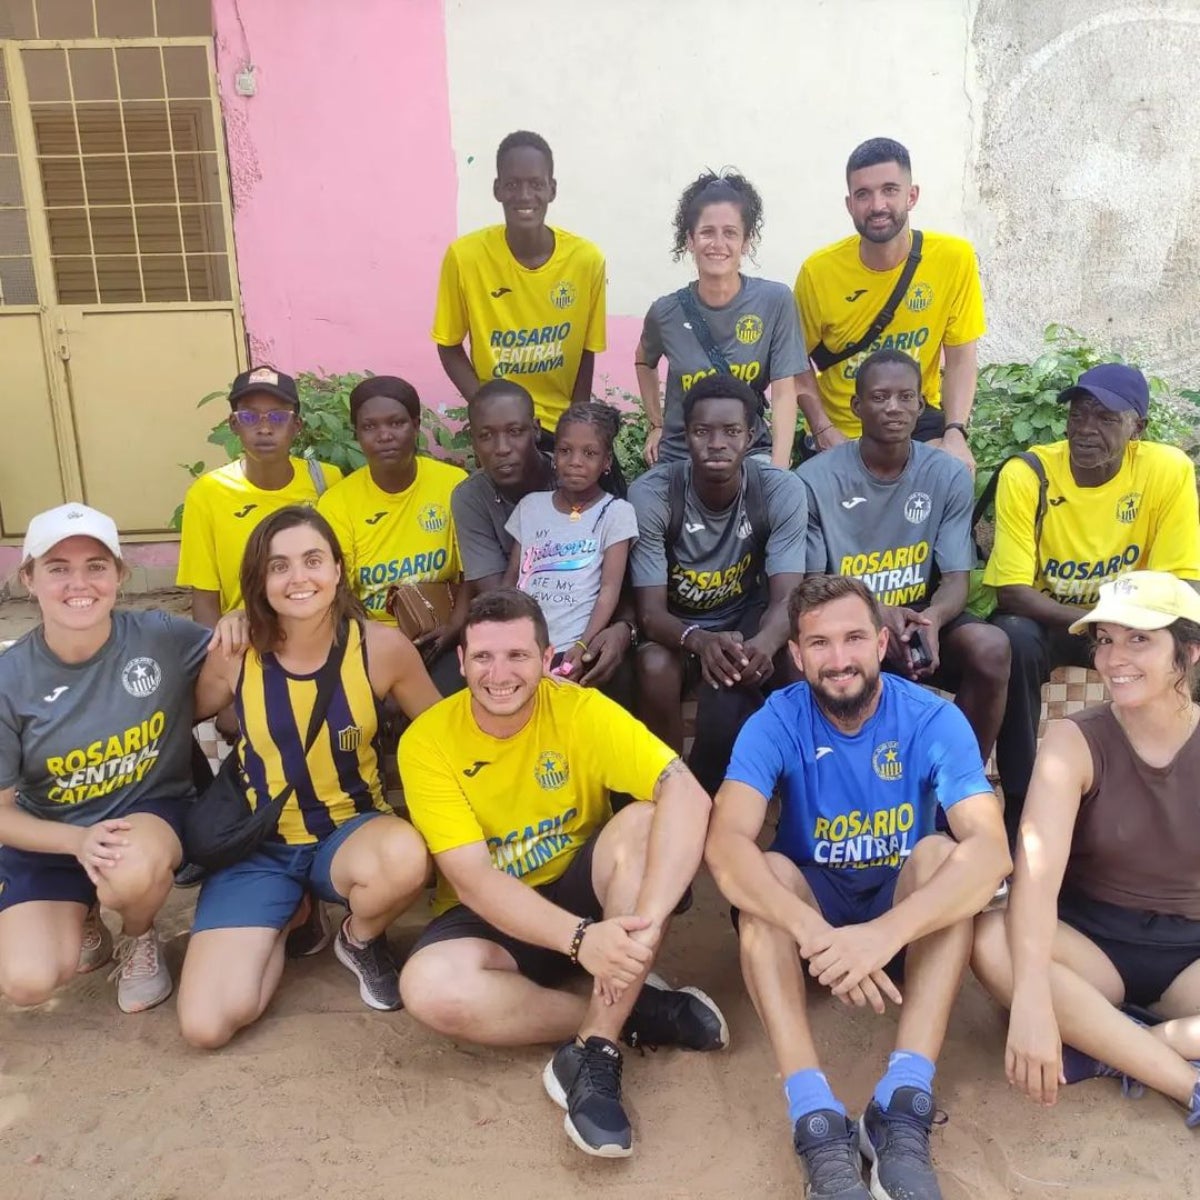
[[1059, 137]]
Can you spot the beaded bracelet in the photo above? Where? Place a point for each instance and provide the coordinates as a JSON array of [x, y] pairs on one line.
[[687, 633], [577, 940]]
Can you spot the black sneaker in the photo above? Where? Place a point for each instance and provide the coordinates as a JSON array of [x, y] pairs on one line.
[[896, 1142], [585, 1079], [828, 1144], [313, 935], [684, 1017], [378, 978]]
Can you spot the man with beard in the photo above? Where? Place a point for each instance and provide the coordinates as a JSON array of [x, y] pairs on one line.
[[843, 289], [856, 877]]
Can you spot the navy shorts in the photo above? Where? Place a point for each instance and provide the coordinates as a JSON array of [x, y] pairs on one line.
[[28, 875], [264, 890], [1149, 950], [572, 890]]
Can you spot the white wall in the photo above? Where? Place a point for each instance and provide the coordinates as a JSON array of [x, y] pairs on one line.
[[637, 96]]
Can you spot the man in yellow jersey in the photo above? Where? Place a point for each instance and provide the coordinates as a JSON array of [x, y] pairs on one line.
[[1110, 503], [509, 784], [843, 289], [528, 296], [392, 517], [224, 505]]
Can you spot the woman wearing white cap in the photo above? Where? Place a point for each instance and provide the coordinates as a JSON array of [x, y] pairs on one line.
[[1105, 907], [96, 710]]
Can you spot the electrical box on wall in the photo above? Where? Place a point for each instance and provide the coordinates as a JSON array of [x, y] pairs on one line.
[[246, 83]]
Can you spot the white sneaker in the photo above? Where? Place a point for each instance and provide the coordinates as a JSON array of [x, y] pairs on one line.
[[143, 979], [97, 945]]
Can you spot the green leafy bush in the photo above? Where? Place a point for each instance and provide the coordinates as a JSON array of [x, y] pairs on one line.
[[327, 434], [1017, 405]]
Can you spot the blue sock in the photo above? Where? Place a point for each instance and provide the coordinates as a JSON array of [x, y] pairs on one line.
[[904, 1069], [807, 1091]]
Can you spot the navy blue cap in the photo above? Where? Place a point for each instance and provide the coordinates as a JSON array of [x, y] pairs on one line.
[[1118, 386]]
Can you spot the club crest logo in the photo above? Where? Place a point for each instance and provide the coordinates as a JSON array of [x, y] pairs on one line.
[[1128, 507], [885, 761], [432, 518], [551, 771], [562, 295], [140, 677], [917, 507], [920, 297], [748, 329], [350, 738]]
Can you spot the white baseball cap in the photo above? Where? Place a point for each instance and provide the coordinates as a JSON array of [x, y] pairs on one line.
[[1142, 600], [55, 525]]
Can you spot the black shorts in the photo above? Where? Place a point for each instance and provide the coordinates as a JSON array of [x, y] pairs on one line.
[[948, 676], [1149, 950], [572, 890], [29, 875]]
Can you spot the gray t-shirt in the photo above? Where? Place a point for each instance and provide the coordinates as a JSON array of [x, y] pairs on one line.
[[758, 331], [561, 559], [715, 574], [82, 742], [481, 515], [889, 533]]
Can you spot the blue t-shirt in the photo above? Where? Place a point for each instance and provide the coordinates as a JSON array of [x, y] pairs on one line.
[[858, 803]]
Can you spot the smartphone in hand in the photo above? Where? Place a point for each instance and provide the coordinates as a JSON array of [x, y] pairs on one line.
[[920, 658]]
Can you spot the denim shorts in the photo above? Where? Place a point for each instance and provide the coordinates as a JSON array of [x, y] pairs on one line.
[[28, 875], [264, 890]]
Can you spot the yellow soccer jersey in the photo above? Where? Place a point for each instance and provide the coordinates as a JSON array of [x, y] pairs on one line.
[[534, 798], [402, 537], [1144, 519], [531, 326], [839, 298], [220, 512]]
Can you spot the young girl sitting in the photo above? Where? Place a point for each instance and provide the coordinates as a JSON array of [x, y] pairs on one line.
[[572, 544]]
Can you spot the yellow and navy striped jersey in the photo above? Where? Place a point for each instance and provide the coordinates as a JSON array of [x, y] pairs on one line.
[[340, 776]]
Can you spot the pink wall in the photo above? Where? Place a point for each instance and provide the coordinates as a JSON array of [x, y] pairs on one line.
[[343, 180]]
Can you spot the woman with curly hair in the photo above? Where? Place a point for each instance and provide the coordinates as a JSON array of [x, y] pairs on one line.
[[722, 321]]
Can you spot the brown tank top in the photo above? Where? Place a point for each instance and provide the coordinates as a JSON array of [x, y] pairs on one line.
[[1137, 838]]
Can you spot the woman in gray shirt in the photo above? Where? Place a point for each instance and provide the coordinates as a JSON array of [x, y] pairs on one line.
[[722, 321], [96, 710]]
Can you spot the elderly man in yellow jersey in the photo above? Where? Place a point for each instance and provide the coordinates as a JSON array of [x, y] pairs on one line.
[[890, 287], [224, 506], [528, 296], [509, 783], [1072, 516]]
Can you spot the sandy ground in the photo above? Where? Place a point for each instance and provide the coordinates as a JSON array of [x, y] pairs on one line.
[[324, 1098]]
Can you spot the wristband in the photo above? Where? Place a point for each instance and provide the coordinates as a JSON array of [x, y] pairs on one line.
[[955, 425], [654, 424], [683, 637], [581, 645], [577, 939], [824, 429]]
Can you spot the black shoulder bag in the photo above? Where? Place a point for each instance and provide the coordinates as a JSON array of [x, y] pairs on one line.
[[220, 827], [823, 358]]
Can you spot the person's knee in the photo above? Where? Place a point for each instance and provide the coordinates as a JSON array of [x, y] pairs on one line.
[[144, 874], [438, 995], [990, 959], [402, 863], [927, 857], [1026, 638], [988, 658], [759, 939], [208, 1023], [33, 982], [658, 668], [631, 829]]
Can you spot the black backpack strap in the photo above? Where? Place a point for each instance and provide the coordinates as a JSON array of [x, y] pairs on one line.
[[987, 497], [700, 328], [755, 502], [676, 502], [823, 358]]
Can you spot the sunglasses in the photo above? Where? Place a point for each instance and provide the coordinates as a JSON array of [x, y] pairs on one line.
[[251, 420]]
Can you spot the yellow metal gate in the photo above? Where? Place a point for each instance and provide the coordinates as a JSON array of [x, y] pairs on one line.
[[119, 305]]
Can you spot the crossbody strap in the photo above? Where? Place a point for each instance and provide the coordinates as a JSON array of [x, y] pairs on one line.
[[823, 358], [700, 328]]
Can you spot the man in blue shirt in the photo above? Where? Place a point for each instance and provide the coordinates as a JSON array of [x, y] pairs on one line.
[[856, 875]]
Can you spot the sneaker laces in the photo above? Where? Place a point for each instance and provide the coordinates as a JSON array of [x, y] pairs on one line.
[[910, 1135], [601, 1072], [838, 1156], [93, 936], [137, 958]]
